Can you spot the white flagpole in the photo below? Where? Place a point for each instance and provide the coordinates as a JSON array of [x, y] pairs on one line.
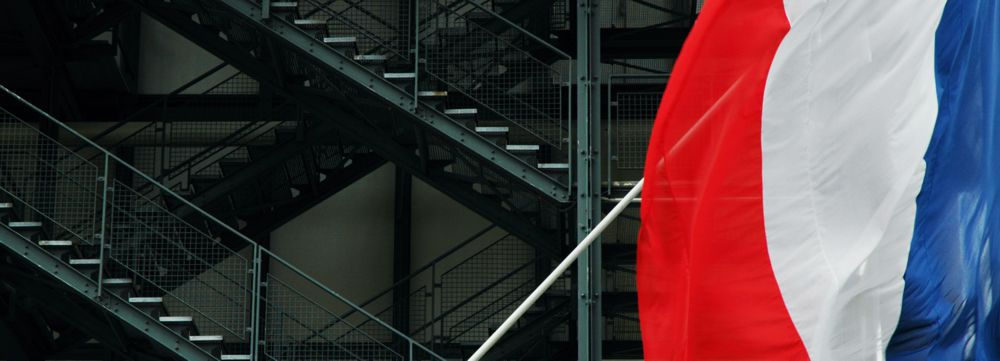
[[533, 297]]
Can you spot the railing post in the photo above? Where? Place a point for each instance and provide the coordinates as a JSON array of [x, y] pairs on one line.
[[254, 343], [416, 54], [588, 178], [104, 220]]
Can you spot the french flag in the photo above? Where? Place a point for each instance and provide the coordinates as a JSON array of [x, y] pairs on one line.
[[821, 182]]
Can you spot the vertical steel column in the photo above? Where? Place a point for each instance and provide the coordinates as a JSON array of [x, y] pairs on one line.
[[401, 254], [588, 173]]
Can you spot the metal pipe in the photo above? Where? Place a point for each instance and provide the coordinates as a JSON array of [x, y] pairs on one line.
[[556, 273]]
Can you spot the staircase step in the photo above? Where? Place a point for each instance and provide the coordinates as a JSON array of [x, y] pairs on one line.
[[145, 300], [461, 111], [87, 266], [85, 262], [340, 40], [235, 357], [176, 319], [522, 148], [6, 208], [210, 343], [55, 244], [432, 93], [285, 5], [205, 338], [117, 281], [120, 287], [152, 306], [492, 130], [554, 166], [26, 229], [58, 248], [370, 58], [393, 76], [24, 225], [310, 23]]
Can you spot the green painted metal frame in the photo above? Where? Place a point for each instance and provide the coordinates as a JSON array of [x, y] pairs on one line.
[[433, 118], [153, 329], [588, 170], [86, 288]]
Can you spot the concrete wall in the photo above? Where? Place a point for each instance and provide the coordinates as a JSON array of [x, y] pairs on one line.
[[167, 60]]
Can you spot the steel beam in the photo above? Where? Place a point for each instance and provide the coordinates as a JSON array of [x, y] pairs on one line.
[[85, 287], [588, 177], [347, 121], [347, 67], [401, 247]]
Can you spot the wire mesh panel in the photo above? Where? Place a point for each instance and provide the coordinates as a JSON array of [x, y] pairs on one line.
[[55, 183], [477, 58], [381, 27], [634, 115], [477, 294], [196, 274], [301, 327], [239, 83], [188, 260]]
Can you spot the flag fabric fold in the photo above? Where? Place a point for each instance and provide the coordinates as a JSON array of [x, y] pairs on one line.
[[820, 185]]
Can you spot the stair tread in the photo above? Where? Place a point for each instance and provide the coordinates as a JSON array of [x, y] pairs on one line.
[[145, 299], [340, 39], [176, 319], [235, 357], [6, 205], [398, 75], [461, 111], [55, 243], [21, 224], [84, 261], [523, 147], [556, 166], [310, 22], [284, 4], [205, 338], [117, 281], [432, 93], [370, 57], [492, 129]]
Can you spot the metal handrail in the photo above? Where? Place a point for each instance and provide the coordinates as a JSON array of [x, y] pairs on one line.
[[336, 295], [521, 30], [162, 99], [429, 265], [259, 251]]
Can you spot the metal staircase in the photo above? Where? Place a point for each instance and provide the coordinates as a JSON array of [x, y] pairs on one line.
[[452, 303], [166, 278], [255, 167], [489, 130]]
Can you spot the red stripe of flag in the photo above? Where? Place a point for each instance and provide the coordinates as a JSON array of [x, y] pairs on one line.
[[706, 287]]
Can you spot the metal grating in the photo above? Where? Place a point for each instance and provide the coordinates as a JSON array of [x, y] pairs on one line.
[[200, 276], [478, 293], [56, 183], [497, 75], [634, 115], [381, 27], [299, 328]]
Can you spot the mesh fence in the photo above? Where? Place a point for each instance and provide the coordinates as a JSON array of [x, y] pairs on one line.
[[301, 327], [200, 276], [477, 294], [480, 61], [55, 183], [633, 115], [381, 27]]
